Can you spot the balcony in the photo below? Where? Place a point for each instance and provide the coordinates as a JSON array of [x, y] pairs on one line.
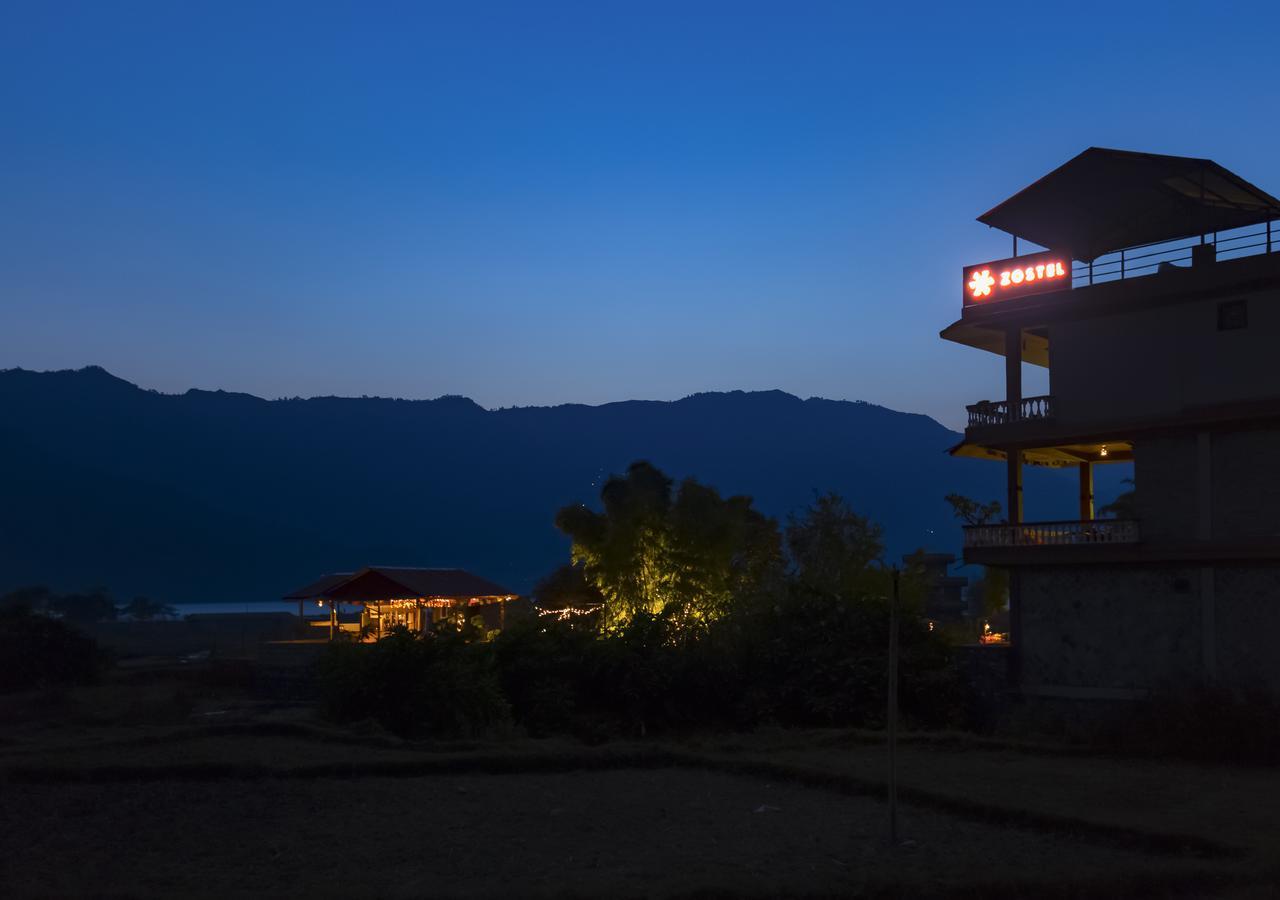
[[1165, 256], [988, 412], [1052, 534]]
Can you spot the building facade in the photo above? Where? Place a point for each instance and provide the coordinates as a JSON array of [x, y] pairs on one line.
[[1156, 310]]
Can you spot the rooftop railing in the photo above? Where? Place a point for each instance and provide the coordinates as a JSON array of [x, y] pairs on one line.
[[997, 412], [1148, 259], [1053, 534]]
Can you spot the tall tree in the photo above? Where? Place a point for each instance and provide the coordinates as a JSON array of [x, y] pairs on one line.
[[652, 549], [973, 512], [144, 608], [92, 606], [834, 551]]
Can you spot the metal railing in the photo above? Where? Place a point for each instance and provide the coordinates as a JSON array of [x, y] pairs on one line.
[[1053, 534], [1161, 256], [996, 412]]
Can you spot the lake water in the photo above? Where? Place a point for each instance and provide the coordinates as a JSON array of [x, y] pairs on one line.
[[254, 606]]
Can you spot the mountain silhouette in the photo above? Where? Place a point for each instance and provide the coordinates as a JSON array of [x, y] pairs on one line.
[[210, 495]]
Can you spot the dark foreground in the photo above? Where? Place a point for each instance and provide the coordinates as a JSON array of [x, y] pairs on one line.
[[151, 789]]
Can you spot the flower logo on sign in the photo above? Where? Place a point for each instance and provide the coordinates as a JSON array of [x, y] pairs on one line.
[[980, 284]]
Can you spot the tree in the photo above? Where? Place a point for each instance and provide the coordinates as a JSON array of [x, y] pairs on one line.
[[652, 549], [92, 606], [1125, 506], [834, 551], [971, 512], [35, 598], [568, 594], [994, 582], [144, 608], [40, 652]]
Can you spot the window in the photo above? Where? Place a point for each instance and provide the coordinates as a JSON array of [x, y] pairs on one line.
[[1233, 314]]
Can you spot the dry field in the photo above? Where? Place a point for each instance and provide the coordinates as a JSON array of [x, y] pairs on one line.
[[158, 789]]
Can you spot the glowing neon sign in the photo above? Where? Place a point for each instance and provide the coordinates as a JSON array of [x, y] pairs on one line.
[[1006, 279]]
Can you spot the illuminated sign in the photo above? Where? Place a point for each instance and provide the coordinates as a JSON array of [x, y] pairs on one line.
[[1006, 279]]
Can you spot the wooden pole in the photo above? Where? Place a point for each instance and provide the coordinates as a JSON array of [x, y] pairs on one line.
[[892, 723]]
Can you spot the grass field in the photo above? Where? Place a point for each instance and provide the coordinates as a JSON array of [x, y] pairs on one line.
[[169, 788]]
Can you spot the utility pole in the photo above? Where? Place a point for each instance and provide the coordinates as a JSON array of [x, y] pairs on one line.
[[892, 718]]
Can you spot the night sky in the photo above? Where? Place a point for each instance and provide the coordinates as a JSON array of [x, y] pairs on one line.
[[539, 203]]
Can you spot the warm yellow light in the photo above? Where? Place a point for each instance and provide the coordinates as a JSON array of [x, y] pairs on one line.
[[1103, 451]]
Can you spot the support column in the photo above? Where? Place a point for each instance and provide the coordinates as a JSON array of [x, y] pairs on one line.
[[1013, 403], [1086, 492], [1013, 372], [1015, 486]]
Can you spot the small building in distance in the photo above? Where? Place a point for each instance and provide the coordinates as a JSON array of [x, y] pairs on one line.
[[1152, 297], [945, 599], [413, 598]]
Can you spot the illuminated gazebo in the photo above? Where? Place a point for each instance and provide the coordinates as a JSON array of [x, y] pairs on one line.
[[412, 598]]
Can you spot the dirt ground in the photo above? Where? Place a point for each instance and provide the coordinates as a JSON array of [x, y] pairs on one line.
[[160, 789], [616, 833]]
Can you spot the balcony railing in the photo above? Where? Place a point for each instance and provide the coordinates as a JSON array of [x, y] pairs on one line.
[[1148, 259], [1052, 534], [989, 412]]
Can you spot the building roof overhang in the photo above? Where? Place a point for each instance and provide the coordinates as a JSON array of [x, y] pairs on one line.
[[374, 584], [1105, 200], [1054, 457], [319, 587], [990, 337]]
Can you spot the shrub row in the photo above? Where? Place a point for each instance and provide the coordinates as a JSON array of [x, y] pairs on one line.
[[41, 652], [798, 659]]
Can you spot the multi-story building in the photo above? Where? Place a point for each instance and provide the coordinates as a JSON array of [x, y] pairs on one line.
[[1156, 310]]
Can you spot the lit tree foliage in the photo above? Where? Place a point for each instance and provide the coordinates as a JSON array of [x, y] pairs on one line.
[[567, 594], [687, 552]]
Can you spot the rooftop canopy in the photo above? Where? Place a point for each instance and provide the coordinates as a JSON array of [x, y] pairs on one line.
[[1106, 200], [319, 587], [377, 583]]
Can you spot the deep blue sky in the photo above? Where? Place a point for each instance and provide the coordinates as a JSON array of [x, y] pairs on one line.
[[537, 203]]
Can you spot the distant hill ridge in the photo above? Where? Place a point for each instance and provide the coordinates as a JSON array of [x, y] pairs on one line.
[[212, 495]]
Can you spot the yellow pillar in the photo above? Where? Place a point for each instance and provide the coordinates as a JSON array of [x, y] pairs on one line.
[[1086, 492]]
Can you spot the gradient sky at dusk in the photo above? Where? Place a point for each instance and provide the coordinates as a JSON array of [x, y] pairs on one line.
[[537, 203]]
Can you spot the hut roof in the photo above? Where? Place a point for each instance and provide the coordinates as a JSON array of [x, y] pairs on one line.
[[374, 583]]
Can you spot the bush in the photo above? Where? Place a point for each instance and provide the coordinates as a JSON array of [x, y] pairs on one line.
[[799, 659], [37, 652], [809, 659], [440, 683]]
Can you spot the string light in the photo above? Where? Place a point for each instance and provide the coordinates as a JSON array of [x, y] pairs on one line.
[[568, 611]]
